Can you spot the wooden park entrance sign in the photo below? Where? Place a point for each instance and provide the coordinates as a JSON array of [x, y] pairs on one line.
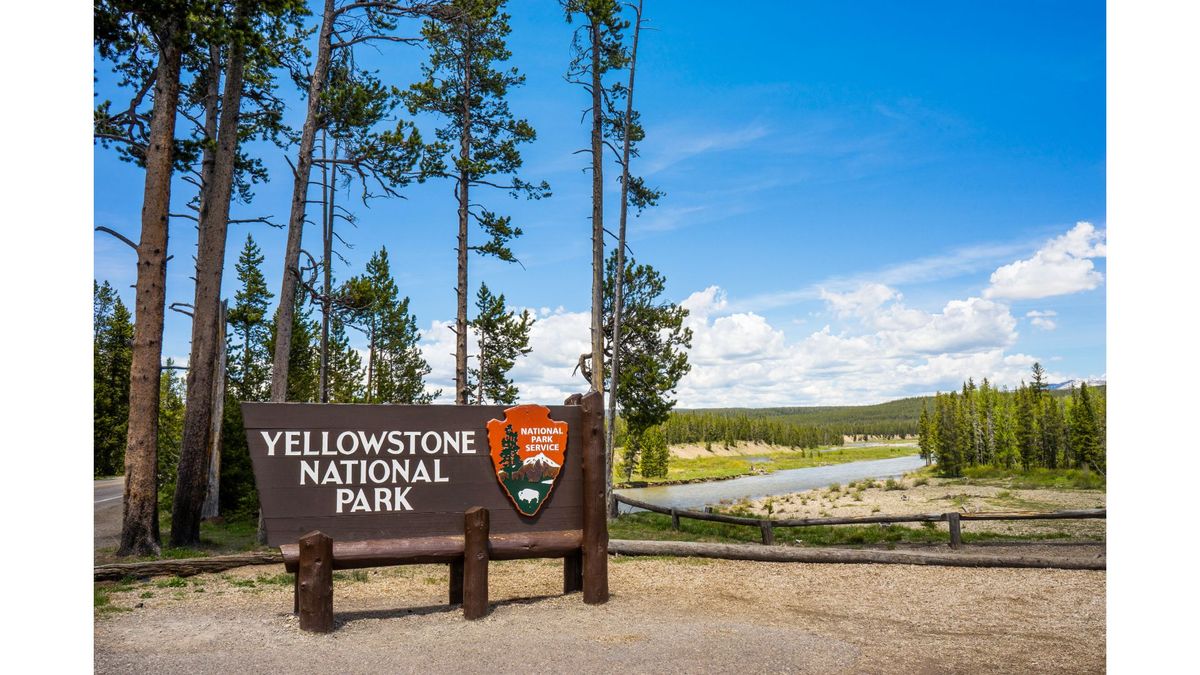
[[353, 486]]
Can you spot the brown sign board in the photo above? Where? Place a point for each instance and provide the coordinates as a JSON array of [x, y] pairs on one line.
[[364, 472]]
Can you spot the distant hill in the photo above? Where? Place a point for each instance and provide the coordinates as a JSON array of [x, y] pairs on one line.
[[898, 417], [890, 418]]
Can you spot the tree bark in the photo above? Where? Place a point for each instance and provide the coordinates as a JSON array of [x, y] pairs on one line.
[[139, 526], [329, 187], [618, 283], [192, 478], [212, 495], [597, 213], [463, 192], [291, 258]]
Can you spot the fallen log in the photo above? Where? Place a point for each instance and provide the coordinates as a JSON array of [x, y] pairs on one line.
[[761, 553], [184, 567]]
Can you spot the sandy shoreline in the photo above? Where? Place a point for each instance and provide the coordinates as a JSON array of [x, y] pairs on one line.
[[939, 495]]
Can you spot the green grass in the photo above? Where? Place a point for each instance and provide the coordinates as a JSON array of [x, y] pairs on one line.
[[656, 526], [720, 466], [217, 537], [1034, 479]]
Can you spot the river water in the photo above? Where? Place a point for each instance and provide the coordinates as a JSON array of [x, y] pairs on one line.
[[696, 495]]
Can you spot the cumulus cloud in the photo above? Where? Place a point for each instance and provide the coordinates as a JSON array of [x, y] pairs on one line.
[[888, 350], [557, 338], [1042, 318], [1062, 266], [882, 350]]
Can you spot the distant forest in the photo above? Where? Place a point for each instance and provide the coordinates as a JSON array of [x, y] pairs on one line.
[[816, 426], [1032, 427]]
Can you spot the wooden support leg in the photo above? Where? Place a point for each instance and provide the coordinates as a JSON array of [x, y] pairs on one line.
[[316, 582], [955, 530], [674, 520], [573, 572], [475, 563], [296, 592], [768, 532], [456, 582]]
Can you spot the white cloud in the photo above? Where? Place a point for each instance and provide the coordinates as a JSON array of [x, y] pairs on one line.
[[677, 143], [885, 350], [1062, 266], [892, 351], [557, 338], [1042, 318]]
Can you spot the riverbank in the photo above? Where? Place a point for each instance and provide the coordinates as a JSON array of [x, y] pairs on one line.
[[921, 492], [665, 615], [750, 459]]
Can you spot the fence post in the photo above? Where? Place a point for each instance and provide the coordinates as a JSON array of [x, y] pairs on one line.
[[315, 575], [768, 532], [955, 529], [674, 519], [475, 563]]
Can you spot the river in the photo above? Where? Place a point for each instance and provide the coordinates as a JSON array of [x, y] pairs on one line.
[[696, 495]]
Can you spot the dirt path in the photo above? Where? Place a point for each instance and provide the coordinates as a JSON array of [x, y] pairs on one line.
[[666, 615]]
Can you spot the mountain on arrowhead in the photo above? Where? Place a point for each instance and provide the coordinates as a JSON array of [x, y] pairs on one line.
[[541, 458], [537, 469]]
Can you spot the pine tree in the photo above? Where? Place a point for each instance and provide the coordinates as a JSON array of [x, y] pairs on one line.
[[345, 366], [502, 337], [510, 456], [1007, 454], [465, 85], [385, 157], [1053, 433], [1085, 431], [949, 459], [112, 353], [655, 453], [1028, 438], [653, 346], [170, 431], [395, 368], [927, 435], [1039, 385], [250, 329], [162, 28], [597, 48]]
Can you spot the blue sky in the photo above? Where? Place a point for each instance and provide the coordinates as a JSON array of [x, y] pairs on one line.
[[863, 200]]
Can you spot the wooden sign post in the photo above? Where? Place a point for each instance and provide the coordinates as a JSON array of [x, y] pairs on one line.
[[353, 486]]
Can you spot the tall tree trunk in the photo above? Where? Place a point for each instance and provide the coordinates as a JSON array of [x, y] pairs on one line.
[[597, 214], [192, 479], [291, 258], [329, 187], [212, 495], [463, 193], [139, 526], [598, 243], [618, 306]]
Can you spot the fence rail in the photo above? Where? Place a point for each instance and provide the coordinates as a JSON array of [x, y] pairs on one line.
[[767, 525]]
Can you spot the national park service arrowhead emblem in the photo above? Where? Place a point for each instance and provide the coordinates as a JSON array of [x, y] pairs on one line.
[[528, 451]]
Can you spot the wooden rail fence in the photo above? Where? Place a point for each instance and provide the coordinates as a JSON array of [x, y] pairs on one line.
[[767, 525]]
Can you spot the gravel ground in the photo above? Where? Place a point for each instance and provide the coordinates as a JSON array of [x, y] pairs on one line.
[[665, 615]]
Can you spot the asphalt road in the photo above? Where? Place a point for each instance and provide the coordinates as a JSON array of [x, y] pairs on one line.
[[106, 509]]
